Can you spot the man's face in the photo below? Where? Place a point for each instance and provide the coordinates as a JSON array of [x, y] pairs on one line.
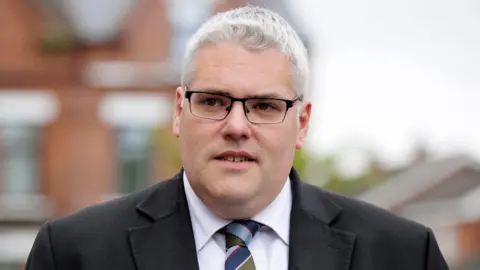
[[207, 146]]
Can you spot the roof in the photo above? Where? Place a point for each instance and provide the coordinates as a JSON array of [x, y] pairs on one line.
[[422, 182], [465, 180]]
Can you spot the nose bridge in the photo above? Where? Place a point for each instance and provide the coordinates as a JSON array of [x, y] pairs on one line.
[[237, 112], [236, 125]]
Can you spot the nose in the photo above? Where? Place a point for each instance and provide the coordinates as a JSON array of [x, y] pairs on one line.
[[236, 126]]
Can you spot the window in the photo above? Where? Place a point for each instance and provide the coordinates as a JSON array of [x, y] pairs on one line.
[[136, 158], [135, 117], [185, 17], [95, 22], [9, 266], [18, 159]]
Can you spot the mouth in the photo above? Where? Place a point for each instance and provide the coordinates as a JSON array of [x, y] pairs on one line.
[[236, 157]]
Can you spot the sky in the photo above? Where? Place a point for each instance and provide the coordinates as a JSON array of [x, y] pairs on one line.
[[389, 74]]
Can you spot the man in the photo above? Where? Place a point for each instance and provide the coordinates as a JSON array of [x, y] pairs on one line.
[[240, 114]]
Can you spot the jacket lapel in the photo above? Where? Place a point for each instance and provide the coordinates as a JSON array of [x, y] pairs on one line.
[[167, 241], [314, 244]]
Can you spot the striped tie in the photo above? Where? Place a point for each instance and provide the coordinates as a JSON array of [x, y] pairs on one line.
[[238, 234]]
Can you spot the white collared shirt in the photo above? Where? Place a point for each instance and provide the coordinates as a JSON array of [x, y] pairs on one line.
[[269, 247]]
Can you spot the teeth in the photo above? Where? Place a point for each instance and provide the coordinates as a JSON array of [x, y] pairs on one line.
[[235, 158]]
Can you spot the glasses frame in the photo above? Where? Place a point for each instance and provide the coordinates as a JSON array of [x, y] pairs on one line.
[[289, 104]]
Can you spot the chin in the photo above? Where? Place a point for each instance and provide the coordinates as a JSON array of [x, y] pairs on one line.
[[224, 180], [232, 198], [234, 170], [233, 189]]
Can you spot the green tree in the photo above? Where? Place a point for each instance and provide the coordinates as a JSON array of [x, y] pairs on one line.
[[169, 148], [322, 171]]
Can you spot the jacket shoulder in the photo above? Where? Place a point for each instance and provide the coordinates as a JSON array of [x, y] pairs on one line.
[[117, 213], [72, 239], [382, 235]]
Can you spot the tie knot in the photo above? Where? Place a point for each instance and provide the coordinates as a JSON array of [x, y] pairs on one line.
[[241, 232]]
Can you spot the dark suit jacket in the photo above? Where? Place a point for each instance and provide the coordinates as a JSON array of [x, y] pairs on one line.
[[151, 230]]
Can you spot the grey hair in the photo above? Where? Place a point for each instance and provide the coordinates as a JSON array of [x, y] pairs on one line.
[[255, 28]]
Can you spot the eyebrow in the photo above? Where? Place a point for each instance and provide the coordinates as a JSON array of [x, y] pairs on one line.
[[226, 93]]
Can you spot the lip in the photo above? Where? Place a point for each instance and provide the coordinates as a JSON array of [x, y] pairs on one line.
[[235, 166], [236, 153]]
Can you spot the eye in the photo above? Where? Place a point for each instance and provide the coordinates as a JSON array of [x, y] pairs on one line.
[[264, 106], [212, 101]]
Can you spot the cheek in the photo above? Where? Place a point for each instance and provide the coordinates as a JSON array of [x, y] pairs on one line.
[[195, 137], [278, 142], [188, 139], [190, 135]]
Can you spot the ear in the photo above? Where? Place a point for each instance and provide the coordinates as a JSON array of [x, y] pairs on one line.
[[303, 122], [178, 109]]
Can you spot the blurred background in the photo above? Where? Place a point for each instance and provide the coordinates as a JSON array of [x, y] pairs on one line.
[[87, 88]]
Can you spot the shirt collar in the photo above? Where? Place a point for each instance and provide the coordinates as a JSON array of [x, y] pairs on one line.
[[205, 223], [276, 215]]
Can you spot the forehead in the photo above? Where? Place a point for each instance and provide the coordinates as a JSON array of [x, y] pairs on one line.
[[239, 71]]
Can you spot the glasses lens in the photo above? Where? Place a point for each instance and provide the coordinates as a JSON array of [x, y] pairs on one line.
[[266, 111], [210, 106]]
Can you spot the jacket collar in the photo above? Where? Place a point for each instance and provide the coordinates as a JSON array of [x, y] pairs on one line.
[[314, 241], [167, 241]]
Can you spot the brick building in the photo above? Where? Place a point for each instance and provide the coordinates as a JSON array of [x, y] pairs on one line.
[[86, 88]]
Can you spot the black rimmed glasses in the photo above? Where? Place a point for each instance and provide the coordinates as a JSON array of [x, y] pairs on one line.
[[216, 106]]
